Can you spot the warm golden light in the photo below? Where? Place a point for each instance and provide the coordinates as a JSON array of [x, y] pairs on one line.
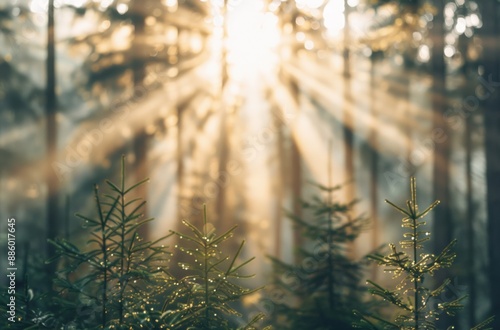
[[253, 37], [333, 16]]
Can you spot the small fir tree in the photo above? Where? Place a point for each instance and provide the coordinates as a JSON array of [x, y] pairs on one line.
[[202, 298], [115, 281], [322, 288], [417, 304]]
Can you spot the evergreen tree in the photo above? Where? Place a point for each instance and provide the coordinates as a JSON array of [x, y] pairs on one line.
[[418, 305], [115, 281], [201, 299], [321, 289]]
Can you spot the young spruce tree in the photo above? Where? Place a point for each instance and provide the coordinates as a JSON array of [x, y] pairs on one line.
[[114, 282], [419, 306], [202, 298], [322, 288]]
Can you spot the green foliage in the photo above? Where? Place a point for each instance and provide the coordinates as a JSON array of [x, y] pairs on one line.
[[415, 302], [113, 283], [201, 299], [120, 281], [26, 312], [322, 288]]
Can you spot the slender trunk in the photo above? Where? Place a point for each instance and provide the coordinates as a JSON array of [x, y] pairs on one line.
[[141, 147], [348, 128], [347, 37], [223, 160], [331, 293], [279, 186], [141, 139], [224, 143], [206, 271], [104, 251], [491, 30], [122, 279], [296, 175], [471, 278], [406, 118], [180, 167], [185, 201], [348, 131], [374, 164], [51, 128], [442, 226]]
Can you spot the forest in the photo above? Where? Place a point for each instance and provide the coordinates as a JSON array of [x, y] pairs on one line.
[[250, 164]]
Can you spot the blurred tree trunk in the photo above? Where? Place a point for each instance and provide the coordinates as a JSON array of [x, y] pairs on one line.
[[347, 37], [491, 74], [280, 182], [223, 154], [181, 193], [223, 151], [348, 128], [51, 127], [141, 139], [296, 174], [470, 218], [442, 229], [442, 226], [374, 160]]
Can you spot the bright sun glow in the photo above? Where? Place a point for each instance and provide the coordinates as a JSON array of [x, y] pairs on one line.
[[40, 6], [333, 16], [253, 36]]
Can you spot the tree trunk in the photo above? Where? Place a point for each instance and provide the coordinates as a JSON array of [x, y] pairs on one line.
[[141, 139], [296, 175], [280, 183], [223, 152], [470, 218], [442, 226], [181, 193], [52, 221], [347, 37], [491, 75], [374, 159], [441, 136]]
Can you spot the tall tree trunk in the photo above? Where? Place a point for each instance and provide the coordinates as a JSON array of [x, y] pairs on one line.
[[442, 226], [181, 193], [141, 139], [348, 128], [52, 222], [374, 163], [348, 124], [470, 218], [296, 173], [280, 182], [223, 154], [223, 136], [441, 135], [347, 37], [491, 60]]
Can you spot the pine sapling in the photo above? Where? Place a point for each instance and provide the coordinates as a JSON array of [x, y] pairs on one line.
[[322, 288], [202, 298], [416, 303], [118, 275]]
